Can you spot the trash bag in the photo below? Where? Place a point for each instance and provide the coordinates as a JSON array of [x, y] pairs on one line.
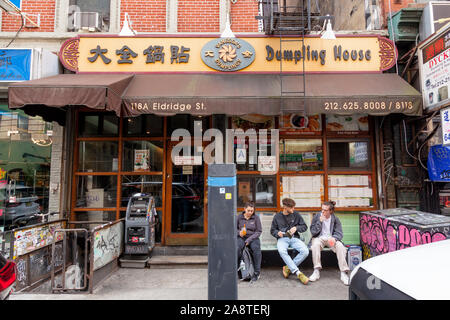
[[246, 267]]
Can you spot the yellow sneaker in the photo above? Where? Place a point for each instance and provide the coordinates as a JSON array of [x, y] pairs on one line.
[[286, 272], [303, 279]]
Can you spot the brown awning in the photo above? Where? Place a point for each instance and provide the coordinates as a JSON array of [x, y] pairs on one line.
[[217, 93], [47, 97], [237, 94], [374, 94], [203, 94]]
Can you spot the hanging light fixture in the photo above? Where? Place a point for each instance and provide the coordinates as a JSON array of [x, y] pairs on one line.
[[126, 28], [329, 33], [227, 33]]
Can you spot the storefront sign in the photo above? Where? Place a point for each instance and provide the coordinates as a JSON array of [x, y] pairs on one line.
[[229, 54], [445, 125], [252, 54], [434, 64], [15, 65], [439, 163]]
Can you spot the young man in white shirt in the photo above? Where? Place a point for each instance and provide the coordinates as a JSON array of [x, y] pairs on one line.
[[326, 230]]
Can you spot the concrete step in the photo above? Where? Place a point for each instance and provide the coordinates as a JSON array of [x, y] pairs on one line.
[[178, 261], [180, 251]]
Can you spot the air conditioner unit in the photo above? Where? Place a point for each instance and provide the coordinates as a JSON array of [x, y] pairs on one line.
[[435, 15], [87, 21]]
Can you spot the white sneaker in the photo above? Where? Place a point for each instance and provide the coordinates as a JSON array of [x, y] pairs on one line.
[[315, 276], [344, 278]]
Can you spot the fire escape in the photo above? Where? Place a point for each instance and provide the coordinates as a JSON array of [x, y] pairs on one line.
[[290, 20]]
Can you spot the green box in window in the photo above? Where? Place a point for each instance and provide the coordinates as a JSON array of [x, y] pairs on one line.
[[350, 227]]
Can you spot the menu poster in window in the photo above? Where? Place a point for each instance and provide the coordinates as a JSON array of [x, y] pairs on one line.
[[306, 191], [348, 124], [267, 163], [252, 121], [297, 123], [141, 160]]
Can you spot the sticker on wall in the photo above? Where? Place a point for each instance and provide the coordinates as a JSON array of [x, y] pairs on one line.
[[228, 196], [228, 54]]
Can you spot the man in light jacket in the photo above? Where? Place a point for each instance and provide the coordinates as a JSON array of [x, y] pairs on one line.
[[326, 230]]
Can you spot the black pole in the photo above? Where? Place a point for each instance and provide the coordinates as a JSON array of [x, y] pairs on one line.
[[222, 234]]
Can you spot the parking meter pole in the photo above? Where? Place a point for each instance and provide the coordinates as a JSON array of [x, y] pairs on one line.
[[222, 238]]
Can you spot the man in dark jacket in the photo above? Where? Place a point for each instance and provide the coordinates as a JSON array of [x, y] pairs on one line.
[[249, 229], [286, 226], [326, 230]]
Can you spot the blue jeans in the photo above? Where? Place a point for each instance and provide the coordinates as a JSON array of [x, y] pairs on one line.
[[295, 243]]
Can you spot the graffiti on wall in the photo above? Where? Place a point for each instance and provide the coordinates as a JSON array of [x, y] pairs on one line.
[[108, 244], [379, 235]]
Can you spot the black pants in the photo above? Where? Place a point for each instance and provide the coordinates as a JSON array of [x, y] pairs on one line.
[[255, 250]]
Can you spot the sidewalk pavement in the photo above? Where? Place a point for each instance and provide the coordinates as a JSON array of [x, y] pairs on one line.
[[192, 284]]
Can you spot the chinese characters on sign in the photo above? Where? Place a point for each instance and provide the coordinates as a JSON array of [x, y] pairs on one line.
[[153, 54], [435, 71], [445, 124]]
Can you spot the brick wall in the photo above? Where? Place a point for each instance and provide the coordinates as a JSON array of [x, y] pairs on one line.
[[243, 14], [198, 16], [396, 5], [46, 8], [146, 16]]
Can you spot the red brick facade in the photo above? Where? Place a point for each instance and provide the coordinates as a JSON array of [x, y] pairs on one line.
[[146, 16], [46, 8], [243, 14], [150, 16], [198, 16]]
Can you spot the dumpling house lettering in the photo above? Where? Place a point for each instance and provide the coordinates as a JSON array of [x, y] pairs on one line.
[[309, 54]]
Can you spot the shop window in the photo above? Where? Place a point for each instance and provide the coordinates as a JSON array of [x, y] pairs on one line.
[[307, 190], [143, 156], [98, 125], [350, 190], [144, 126], [24, 170], [89, 15], [93, 216], [248, 150], [132, 184], [98, 156], [96, 191], [301, 154], [186, 121], [260, 190], [353, 155]]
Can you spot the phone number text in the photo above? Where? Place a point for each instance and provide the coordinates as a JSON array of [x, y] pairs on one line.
[[370, 105]]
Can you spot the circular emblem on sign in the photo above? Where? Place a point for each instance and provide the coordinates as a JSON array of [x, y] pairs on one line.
[[68, 54], [228, 54]]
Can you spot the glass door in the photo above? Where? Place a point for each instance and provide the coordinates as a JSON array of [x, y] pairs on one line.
[[186, 209]]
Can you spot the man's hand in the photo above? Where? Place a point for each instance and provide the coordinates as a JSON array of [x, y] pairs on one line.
[[293, 230], [322, 218], [280, 234]]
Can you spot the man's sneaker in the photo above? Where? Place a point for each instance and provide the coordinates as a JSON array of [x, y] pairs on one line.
[[255, 277], [286, 272], [344, 278], [303, 279], [315, 276]]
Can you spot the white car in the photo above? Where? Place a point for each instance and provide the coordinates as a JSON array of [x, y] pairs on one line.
[[420, 273]]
